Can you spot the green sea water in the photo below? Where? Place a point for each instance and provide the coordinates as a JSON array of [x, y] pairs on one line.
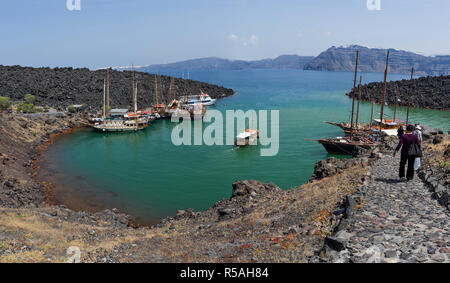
[[145, 175]]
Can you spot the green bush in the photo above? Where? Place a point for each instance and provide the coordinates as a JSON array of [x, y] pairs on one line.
[[4, 103], [30, 99], [26, 108], [72, 109]]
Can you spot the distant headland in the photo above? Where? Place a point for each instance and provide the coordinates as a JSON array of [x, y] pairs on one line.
[[332, 59]]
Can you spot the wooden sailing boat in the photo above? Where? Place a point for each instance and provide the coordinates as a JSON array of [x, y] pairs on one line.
[[158, 109], [122, 120], [350, 145], [174, 106]]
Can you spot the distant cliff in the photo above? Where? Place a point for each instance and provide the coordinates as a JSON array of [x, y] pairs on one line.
[[374, 60], [428, 92], [214, 63]]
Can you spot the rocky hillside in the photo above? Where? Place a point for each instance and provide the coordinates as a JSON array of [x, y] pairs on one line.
[[374, 60], [428, 92], [60, 87], [258, 223]]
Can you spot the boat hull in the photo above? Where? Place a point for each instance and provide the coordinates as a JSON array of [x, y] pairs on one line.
[[342, 148], [118, 129]]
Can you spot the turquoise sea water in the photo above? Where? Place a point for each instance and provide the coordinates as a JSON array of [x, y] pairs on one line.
[[145, 175]]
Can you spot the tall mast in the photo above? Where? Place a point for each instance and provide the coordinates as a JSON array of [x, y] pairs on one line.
[[371, 115], [107, 92], [133, 88], [104, 98], [396, 102], [135, 98], [359, 98], [156, 89], [172, 93], [384, 91], [160, 87], [354, 93], [185, 91], [409, 96]]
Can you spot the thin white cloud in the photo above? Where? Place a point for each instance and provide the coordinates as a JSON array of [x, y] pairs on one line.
[[250, 41], [299, 34], [232, 37], [253, 39]]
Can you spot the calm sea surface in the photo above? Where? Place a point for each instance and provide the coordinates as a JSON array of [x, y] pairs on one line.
[[145, 175]]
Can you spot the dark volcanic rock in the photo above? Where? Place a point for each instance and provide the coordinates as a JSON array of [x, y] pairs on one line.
[[428, 92], [61, 87]]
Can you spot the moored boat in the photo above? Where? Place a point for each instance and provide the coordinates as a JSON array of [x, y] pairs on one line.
[[346, 145], [202, 98], [249, 137]]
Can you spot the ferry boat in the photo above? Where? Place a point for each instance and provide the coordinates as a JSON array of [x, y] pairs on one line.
[[202, 98]]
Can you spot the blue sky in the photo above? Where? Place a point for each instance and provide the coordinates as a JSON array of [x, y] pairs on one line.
[[141, 32]]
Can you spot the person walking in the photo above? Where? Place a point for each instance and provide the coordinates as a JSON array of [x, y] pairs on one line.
[[406, 140], [418, 131], [400, 132]]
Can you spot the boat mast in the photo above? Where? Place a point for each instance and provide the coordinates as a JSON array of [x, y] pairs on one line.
[[384, 91], [133, 86], [396, 102], [185, 92], [156, 89], [135, 98], [409, 96], [135, 107], [359, 98], [354, 93], [172, 94], [371, 116], [104, 99], [107, 111]]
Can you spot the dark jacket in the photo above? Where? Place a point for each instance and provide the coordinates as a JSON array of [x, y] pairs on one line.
[[405, 141]]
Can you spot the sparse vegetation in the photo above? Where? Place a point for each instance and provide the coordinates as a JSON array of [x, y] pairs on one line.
[[30, 99], [71, 109], [4, 103], [26, 107]]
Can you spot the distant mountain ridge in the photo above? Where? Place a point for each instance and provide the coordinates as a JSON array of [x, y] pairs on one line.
[[214, 63], [374, 60], [333, 59]]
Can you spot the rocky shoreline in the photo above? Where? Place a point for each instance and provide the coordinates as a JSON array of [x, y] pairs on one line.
[[428, 92], [61, 87], [258, 223]]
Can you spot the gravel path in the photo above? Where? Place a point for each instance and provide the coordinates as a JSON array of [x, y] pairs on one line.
[[397, 222]]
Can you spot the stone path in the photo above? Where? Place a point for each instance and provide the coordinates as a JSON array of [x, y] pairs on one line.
[[397, 222]]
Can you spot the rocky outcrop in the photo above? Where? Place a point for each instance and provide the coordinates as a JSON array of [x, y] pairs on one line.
[[428, 92], [374, 60], [435, 171], [21, 140], [61, 87]]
